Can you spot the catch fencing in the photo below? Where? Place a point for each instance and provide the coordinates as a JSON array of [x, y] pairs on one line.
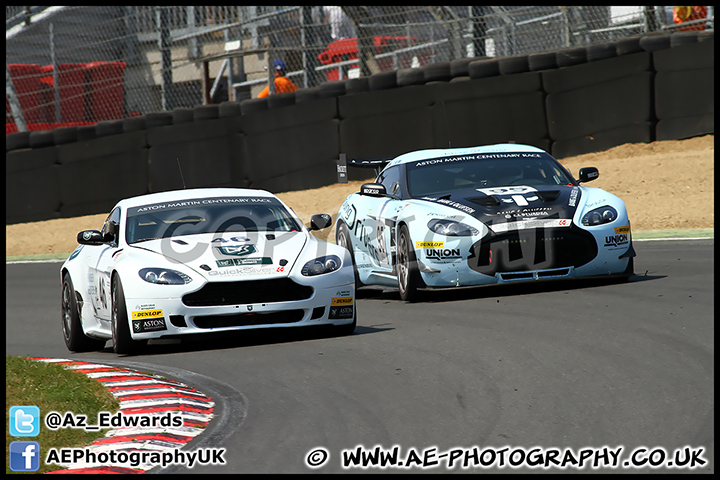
[[79, 65]]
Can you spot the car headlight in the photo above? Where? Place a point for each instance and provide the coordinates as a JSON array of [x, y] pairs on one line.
[[599, 216], [164, 276], [321, 265], [451, 228]]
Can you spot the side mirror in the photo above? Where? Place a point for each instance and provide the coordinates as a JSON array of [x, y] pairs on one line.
[[373, 190], [588, 174], [320, 221], [90, 237]]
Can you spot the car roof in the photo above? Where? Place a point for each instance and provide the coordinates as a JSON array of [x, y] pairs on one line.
[[448, 152], [174, 195]]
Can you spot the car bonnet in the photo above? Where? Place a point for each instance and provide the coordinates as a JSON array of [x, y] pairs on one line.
[[232, 255], [501, 206]]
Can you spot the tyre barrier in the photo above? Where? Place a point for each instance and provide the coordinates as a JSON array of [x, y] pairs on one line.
[[37, 168], [253, 105], [460, 67], [684, 88], [182, 115], [601, 51], [108, 127], [410, 76], [382, 81], [95, 174], [512, 65], [634, 89], [69, 134], [331, 89], [437, 72], [484, 68], [205, 112], [568, 57], [357, 85], [618, 92], [281, 100], [491, 110], [542, 61]]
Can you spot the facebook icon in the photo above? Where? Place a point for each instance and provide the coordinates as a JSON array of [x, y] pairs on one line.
[[24, 456]]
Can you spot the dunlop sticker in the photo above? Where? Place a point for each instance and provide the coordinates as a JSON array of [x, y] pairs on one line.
[[341, 301], [147, 314], [429, 244]]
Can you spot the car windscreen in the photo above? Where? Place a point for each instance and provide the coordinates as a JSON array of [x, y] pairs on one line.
[[431, 176], [207, 215]]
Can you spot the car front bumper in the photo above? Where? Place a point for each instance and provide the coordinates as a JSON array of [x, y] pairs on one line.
[[219, 311]]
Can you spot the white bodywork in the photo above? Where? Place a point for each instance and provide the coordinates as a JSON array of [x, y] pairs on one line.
[[240, 259], [374, 222]]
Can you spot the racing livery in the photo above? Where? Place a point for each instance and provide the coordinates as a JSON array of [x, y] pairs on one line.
[[195, 261], [459, 217]]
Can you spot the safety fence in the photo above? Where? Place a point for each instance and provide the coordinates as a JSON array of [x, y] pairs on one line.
[[74, 65], [571, 101]]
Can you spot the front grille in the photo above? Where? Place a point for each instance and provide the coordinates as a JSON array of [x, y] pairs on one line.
[[252, 291], [533, 249], [559, 272], [248, 319]]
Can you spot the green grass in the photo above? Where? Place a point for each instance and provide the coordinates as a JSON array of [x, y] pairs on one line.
[[686, 233], [54, 388]]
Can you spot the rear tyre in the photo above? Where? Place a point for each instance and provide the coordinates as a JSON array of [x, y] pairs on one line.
[[73, 333], [122, 340], [408, 274]]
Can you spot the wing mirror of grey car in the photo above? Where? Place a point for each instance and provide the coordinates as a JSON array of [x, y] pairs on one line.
[[90, 237], [588, 173], [373, 190], [320, 221]]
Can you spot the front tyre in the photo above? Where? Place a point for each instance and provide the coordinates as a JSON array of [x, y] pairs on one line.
[[342, 239], [629, 271], [344, 330], [73, 333], [121, 338], [408, 274]]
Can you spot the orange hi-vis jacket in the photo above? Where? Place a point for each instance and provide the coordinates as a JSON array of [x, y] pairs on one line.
[[686, 14], [282, 85]]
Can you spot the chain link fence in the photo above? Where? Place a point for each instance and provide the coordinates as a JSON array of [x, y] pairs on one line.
[[74, 65]]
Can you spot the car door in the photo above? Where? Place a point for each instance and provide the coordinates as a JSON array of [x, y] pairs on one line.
[[103, 257], [382, 215]]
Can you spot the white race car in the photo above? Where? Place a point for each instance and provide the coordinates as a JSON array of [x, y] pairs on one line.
[[171, 264], [461, 217]]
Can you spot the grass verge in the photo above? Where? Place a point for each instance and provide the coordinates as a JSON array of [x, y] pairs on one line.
[[52, 387], [686, 233]]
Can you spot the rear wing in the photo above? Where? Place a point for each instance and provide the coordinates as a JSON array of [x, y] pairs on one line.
[[377, 163]]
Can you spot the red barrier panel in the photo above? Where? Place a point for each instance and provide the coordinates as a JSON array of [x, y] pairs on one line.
[[71, 77], [72, 92], [107, 94], [26, 80]]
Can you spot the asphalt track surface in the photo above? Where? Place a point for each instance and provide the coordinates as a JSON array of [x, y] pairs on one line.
[[563, 366]]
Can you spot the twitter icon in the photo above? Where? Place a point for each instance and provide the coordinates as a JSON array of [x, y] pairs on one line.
[[24, 421]]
